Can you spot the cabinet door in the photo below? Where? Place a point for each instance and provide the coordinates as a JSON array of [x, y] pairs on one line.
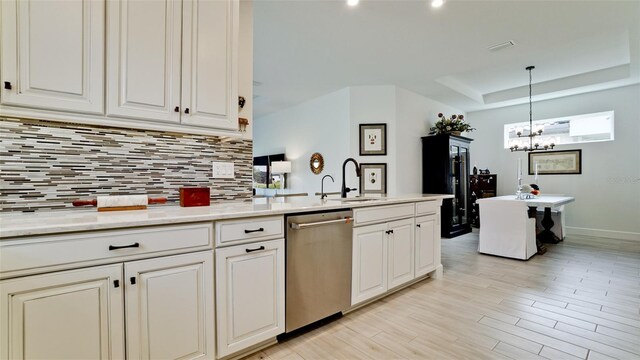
[[249, 294], [74, 314], [209, 64], [169, 306], [401, 242], [143, 59], [369, 262], [427, 232], [52, 54]]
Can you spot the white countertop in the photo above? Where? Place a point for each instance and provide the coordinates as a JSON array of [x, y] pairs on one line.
[[62, 221]]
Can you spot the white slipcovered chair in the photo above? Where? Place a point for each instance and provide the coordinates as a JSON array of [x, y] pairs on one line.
[[506, 229]]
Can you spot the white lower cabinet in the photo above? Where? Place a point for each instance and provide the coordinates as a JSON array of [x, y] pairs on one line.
[[401, 243], [391, 254], [249, 295], [75, 314], [382, 258], [369, 262], [170, 307], [427, 254], [166, 305]]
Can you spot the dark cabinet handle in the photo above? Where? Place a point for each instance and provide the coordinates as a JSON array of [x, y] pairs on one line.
[[389, 231], [7, 85], [132, 280], [252, 231], [116, 283], [418, 225], [176, 109], [256, 249], [134, 245], [186, 110]]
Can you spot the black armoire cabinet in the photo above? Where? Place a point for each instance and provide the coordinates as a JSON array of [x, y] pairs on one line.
[[445, 170]]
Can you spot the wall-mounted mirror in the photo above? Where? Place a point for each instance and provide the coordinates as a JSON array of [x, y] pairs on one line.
[[316, 163]]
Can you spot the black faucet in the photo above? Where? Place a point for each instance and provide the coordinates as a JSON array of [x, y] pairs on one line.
[[345, 189], [322, 194]]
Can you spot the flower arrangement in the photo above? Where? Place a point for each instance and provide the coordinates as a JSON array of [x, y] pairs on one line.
[[455, 124]]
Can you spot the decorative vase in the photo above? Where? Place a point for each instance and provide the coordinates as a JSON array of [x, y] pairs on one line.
[[456, 133]]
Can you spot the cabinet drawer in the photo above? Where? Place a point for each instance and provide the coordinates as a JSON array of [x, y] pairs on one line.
[[372, 215], [231, 232], [427, 207], [46, 253]]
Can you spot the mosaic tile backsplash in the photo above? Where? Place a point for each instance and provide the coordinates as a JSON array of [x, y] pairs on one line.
[[46, 165]]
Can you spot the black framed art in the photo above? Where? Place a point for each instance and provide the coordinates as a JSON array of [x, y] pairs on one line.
[[562, 162], [373, 139], [373, 178]]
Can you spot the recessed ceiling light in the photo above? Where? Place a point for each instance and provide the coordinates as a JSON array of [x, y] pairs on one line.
[[352, 2], [437, 3]]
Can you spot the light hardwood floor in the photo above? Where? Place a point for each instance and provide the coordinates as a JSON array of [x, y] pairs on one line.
[[580, 300]]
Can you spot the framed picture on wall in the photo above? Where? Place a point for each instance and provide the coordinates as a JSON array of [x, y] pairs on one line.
[[373, 139], [564, 162], [373, 178]]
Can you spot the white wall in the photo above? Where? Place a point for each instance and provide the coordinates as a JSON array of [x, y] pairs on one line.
[[373, 105], [608, 190], [330, 125], [415, 114], [320, 125]]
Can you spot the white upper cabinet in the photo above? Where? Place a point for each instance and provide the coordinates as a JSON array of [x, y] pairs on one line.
[[52, 54], [174, 61], [209, 63], [144, 49]]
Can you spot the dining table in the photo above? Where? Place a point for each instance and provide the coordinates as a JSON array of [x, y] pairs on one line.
[[548, 202]]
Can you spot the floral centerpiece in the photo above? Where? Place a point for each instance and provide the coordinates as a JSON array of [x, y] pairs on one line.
[[454, 125]]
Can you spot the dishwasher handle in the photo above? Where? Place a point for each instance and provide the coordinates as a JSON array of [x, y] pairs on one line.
[[346, 220]]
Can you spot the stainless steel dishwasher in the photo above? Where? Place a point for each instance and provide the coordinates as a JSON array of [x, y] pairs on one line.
[[318, 266]]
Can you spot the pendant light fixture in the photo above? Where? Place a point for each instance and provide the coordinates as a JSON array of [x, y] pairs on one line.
[[533, 144]]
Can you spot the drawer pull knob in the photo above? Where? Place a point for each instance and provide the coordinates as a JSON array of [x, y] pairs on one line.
[[256, 249], [116, 283], [132, 280], [389, 232], [134, 245], [252, 231], [7, 85], [418, 225]]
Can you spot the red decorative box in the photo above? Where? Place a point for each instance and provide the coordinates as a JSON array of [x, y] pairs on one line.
[[195, 197]]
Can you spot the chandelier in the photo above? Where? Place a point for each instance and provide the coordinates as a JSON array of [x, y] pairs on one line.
[[533, 141]]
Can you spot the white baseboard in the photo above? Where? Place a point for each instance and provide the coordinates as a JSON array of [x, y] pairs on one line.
[[622, 235]]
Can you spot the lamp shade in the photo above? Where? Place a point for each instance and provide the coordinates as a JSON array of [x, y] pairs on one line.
[[281, 167]]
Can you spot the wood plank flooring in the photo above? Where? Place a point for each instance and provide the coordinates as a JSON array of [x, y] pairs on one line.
[[580, 300]]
